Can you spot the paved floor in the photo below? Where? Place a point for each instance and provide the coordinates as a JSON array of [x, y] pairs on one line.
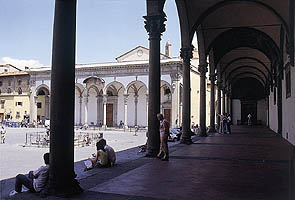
[[252, 163]]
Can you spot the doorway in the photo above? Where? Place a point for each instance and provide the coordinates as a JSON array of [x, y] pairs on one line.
[[249, 107], [110, 115], [167, 115]]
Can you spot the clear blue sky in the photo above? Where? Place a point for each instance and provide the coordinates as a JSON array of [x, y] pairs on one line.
[[105, 29]]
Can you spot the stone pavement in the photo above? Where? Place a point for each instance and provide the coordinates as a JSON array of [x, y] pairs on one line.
[[252, 163]]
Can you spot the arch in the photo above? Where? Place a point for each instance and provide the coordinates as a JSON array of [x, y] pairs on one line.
[[246, 66], [215, 7], [95, 88], [236, 77], [47, 90], [79, 87], [133, 86], [244, 37], [94, 77], [243, 58], [113, 86]]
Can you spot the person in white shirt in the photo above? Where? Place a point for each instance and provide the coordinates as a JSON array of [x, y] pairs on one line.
[[249, 119], [35, 181], [110, 151]]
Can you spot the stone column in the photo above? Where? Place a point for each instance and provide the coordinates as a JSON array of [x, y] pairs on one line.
[[105, 111], [219, 85], [212, 103], [80, 110], [155, 27], [223, 101], [61, 173], [33, 107], [203, 68], [186, 55], [47, 107], [126, 110], [147, 109], [98, 109], [135, 109], [86, 109]]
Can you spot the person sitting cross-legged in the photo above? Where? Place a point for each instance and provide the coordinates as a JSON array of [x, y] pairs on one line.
[[35, 181]]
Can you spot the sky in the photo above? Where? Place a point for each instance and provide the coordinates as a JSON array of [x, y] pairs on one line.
[[105, 30]]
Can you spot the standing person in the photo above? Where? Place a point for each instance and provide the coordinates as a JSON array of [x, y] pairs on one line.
[[224, 119], [249, 119], [35, 181], [3, 134], [164, 133], [221, 128], [229, 123]]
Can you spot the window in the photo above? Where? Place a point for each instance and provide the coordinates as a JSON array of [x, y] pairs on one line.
[[18, 103], [167, 91], [5, 70], [2, 102], [8, 90], [1, 83], [288, 81], [19, 82], [39, 105], [20, 91]]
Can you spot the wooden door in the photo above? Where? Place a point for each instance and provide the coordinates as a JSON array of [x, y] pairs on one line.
[[109, 115], [167, 115]]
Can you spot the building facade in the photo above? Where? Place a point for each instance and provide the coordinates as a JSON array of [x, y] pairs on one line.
[[110, 94]]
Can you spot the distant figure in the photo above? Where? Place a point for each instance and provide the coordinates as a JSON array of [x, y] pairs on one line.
[[121, 125], [164, 133], [221, 125], [224, 119], [229, 123], [3, 134], [249, 119], [136, 130], [35, 181]]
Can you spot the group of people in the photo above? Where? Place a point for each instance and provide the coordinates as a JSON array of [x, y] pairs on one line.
[[37, 180], [225, 124], [105, 156]]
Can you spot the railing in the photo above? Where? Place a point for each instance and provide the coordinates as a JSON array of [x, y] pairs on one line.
[[42, 139]]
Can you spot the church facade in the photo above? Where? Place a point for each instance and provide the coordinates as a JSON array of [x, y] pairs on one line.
[[113, 94]]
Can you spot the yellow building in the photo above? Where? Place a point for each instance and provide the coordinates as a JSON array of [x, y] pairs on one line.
[[14, 93]]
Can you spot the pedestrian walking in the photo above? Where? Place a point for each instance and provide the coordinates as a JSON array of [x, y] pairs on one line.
[[3, 134], [249, 119], [229, 123], [164, 133]]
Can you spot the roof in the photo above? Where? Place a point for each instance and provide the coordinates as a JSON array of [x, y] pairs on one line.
[[20, 73], [137, 48], [9, 65]]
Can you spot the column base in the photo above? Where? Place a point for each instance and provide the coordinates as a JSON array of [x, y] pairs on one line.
[[151, 154], [203, 133], [71, 189], [212, 130], [187, 141]]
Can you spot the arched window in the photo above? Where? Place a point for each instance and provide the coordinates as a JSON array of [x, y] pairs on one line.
[[8, 90], [19, 82], [20, 91], [41, 93], [167, 91], [110, 93]]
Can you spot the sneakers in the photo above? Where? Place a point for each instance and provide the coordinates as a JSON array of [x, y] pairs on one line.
[[12, 193]]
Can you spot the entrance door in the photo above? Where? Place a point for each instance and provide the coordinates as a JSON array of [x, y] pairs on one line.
[[109, 115], [167, 115], [1, 117], [249, 107]]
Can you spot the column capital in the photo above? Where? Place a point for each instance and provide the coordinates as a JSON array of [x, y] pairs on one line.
[[155, 26], [203, 68], [186, 53]]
